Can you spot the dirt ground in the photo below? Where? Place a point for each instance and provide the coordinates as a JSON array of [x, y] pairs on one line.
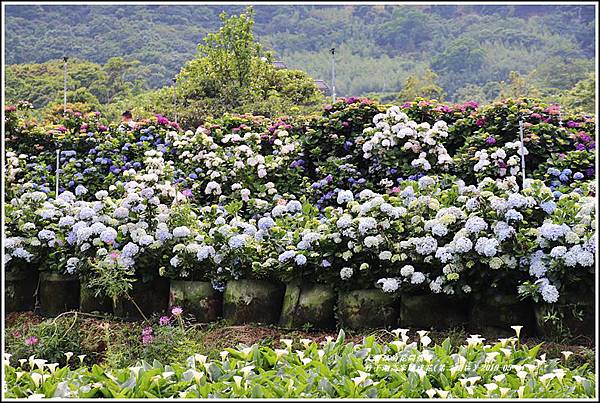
[[218, 335]]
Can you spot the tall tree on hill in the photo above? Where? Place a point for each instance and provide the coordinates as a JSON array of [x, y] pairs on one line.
[[582, 97], [518, 87], [232, 73], [116, 69], [424, 86]]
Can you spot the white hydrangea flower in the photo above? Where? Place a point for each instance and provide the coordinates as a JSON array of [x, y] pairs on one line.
[[407, 270], [346, 273], [487, 246], [388, 285]]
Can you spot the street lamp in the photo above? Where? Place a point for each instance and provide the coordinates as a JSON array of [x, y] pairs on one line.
[[521, 136], [65, 59], [175, 98], [332, 50]]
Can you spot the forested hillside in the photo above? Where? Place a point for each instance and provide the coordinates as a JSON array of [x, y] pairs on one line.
[[449, 52]]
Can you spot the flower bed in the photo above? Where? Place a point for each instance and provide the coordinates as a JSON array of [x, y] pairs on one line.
[[406, 367], [425, 199]]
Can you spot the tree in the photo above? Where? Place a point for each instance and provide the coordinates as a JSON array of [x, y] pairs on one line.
[[231, 73], [463, 55], [561, 73], [582, 97], [225, 63], [425, 87], [116, 69], [407, 30], [87, 82], [518, 87], [472, 92]]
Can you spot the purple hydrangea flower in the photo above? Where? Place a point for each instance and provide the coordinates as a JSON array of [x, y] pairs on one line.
[[583, 136], [490, 140]]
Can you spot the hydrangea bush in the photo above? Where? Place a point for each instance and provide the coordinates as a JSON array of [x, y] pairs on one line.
[[426, 197]]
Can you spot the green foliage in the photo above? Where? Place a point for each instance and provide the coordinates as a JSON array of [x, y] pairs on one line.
[[517, 87], [378, 47], [405, 30], [425, 87], [90, 86], [49, 338], [463, 55], [41, 84], [231, 73], [582, 97], [332, 369]]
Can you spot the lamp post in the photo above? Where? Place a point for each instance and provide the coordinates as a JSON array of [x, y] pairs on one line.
[[65, 59], [175, 98], [332, 50], [522, 151]]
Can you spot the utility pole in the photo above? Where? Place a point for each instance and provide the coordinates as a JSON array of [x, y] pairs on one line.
[[332, 50], [175, 98]]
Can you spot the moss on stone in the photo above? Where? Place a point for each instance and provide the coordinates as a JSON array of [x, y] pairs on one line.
[[252, 301], [367, 309], [198, 298], [308, 305], [151, 297], [58, 293], [437, 311], [19, 289], [89, 302]]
